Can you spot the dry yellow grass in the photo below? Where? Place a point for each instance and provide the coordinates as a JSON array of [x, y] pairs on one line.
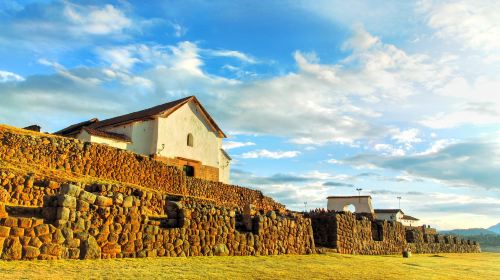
[[330, 266]]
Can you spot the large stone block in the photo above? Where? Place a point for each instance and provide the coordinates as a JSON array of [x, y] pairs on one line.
[[70, 189], [90, 249], [42, 229], [66, 201], [103, 201], [30, 252], [88, 197], [63, 213], [10, 222], [4, 231], [12, 249]]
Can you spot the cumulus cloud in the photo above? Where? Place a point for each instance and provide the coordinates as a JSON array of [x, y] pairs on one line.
[[473, 164], [96, 20], [474, 24], [270, 154]]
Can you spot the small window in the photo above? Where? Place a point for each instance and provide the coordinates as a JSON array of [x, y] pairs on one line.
[[189, 170], [190, 140]]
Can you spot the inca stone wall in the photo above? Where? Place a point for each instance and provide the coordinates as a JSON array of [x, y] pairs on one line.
[[349, 233], [99, 161], [61, 198], [78, 224]]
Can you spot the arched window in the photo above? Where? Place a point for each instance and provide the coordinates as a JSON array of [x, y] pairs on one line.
[[190, 140]]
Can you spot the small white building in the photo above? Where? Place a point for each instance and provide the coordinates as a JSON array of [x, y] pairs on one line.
[[396, 215], [180, 133]]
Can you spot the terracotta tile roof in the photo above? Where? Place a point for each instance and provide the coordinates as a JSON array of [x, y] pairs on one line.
[[410, 218], [161, 110], [107, 134], [75, 128]]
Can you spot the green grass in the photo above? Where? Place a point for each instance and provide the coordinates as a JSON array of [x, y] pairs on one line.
[[330, 266]]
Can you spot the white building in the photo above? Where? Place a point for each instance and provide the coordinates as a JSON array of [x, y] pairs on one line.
[[180, 133], [396, 215]]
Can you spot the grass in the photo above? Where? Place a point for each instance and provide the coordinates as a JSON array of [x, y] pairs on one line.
[[329, 266]]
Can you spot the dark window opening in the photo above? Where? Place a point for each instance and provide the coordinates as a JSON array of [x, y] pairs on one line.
[[190, 140], [189, 170]]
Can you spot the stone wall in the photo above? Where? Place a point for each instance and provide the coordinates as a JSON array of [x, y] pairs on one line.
[[349, 233], [78, 224], [99, 161]]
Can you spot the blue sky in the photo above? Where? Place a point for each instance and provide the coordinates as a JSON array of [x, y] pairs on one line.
[[318, 97]]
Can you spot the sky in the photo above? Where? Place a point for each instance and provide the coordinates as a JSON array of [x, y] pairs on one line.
[[318, 98]]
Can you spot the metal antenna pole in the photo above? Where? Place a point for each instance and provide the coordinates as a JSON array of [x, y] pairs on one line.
[[305, 206], [399, 200], [359, 194]]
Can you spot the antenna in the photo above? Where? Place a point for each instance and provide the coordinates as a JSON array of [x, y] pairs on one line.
[[359, 194], [399, 200]]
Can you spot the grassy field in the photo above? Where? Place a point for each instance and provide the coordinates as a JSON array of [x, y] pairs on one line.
[[330, 266]]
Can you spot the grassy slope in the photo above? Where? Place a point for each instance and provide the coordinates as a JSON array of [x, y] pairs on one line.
[[331, 266]]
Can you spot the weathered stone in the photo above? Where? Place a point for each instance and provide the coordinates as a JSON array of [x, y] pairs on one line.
[[70, 189], [25, 222], [30, 252], [128, 202], [42, 230], [58, 237], [16, 231], [10, 222], [103, 201], [90, 249], [62, 213], [221, 250], [4, 231], [82, 206], [35, 242], [66, 201], [3, 213], [88, 197], [52, 249], [12, 249]]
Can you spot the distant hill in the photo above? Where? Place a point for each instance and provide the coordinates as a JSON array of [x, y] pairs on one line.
[[489, 239], [495, 228], [470, 231]]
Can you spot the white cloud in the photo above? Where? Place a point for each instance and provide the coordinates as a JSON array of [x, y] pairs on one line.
[[228, 145], [388, 149], [270, 154], [406, 137], [233, 54], [474, 24], [464, 164], [361, 40], [472, 102], [6, 76], [334, 161], [96, 20]]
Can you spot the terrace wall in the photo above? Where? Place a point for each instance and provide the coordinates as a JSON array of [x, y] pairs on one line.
[[351, 234], [78, 224], [51, 152]]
